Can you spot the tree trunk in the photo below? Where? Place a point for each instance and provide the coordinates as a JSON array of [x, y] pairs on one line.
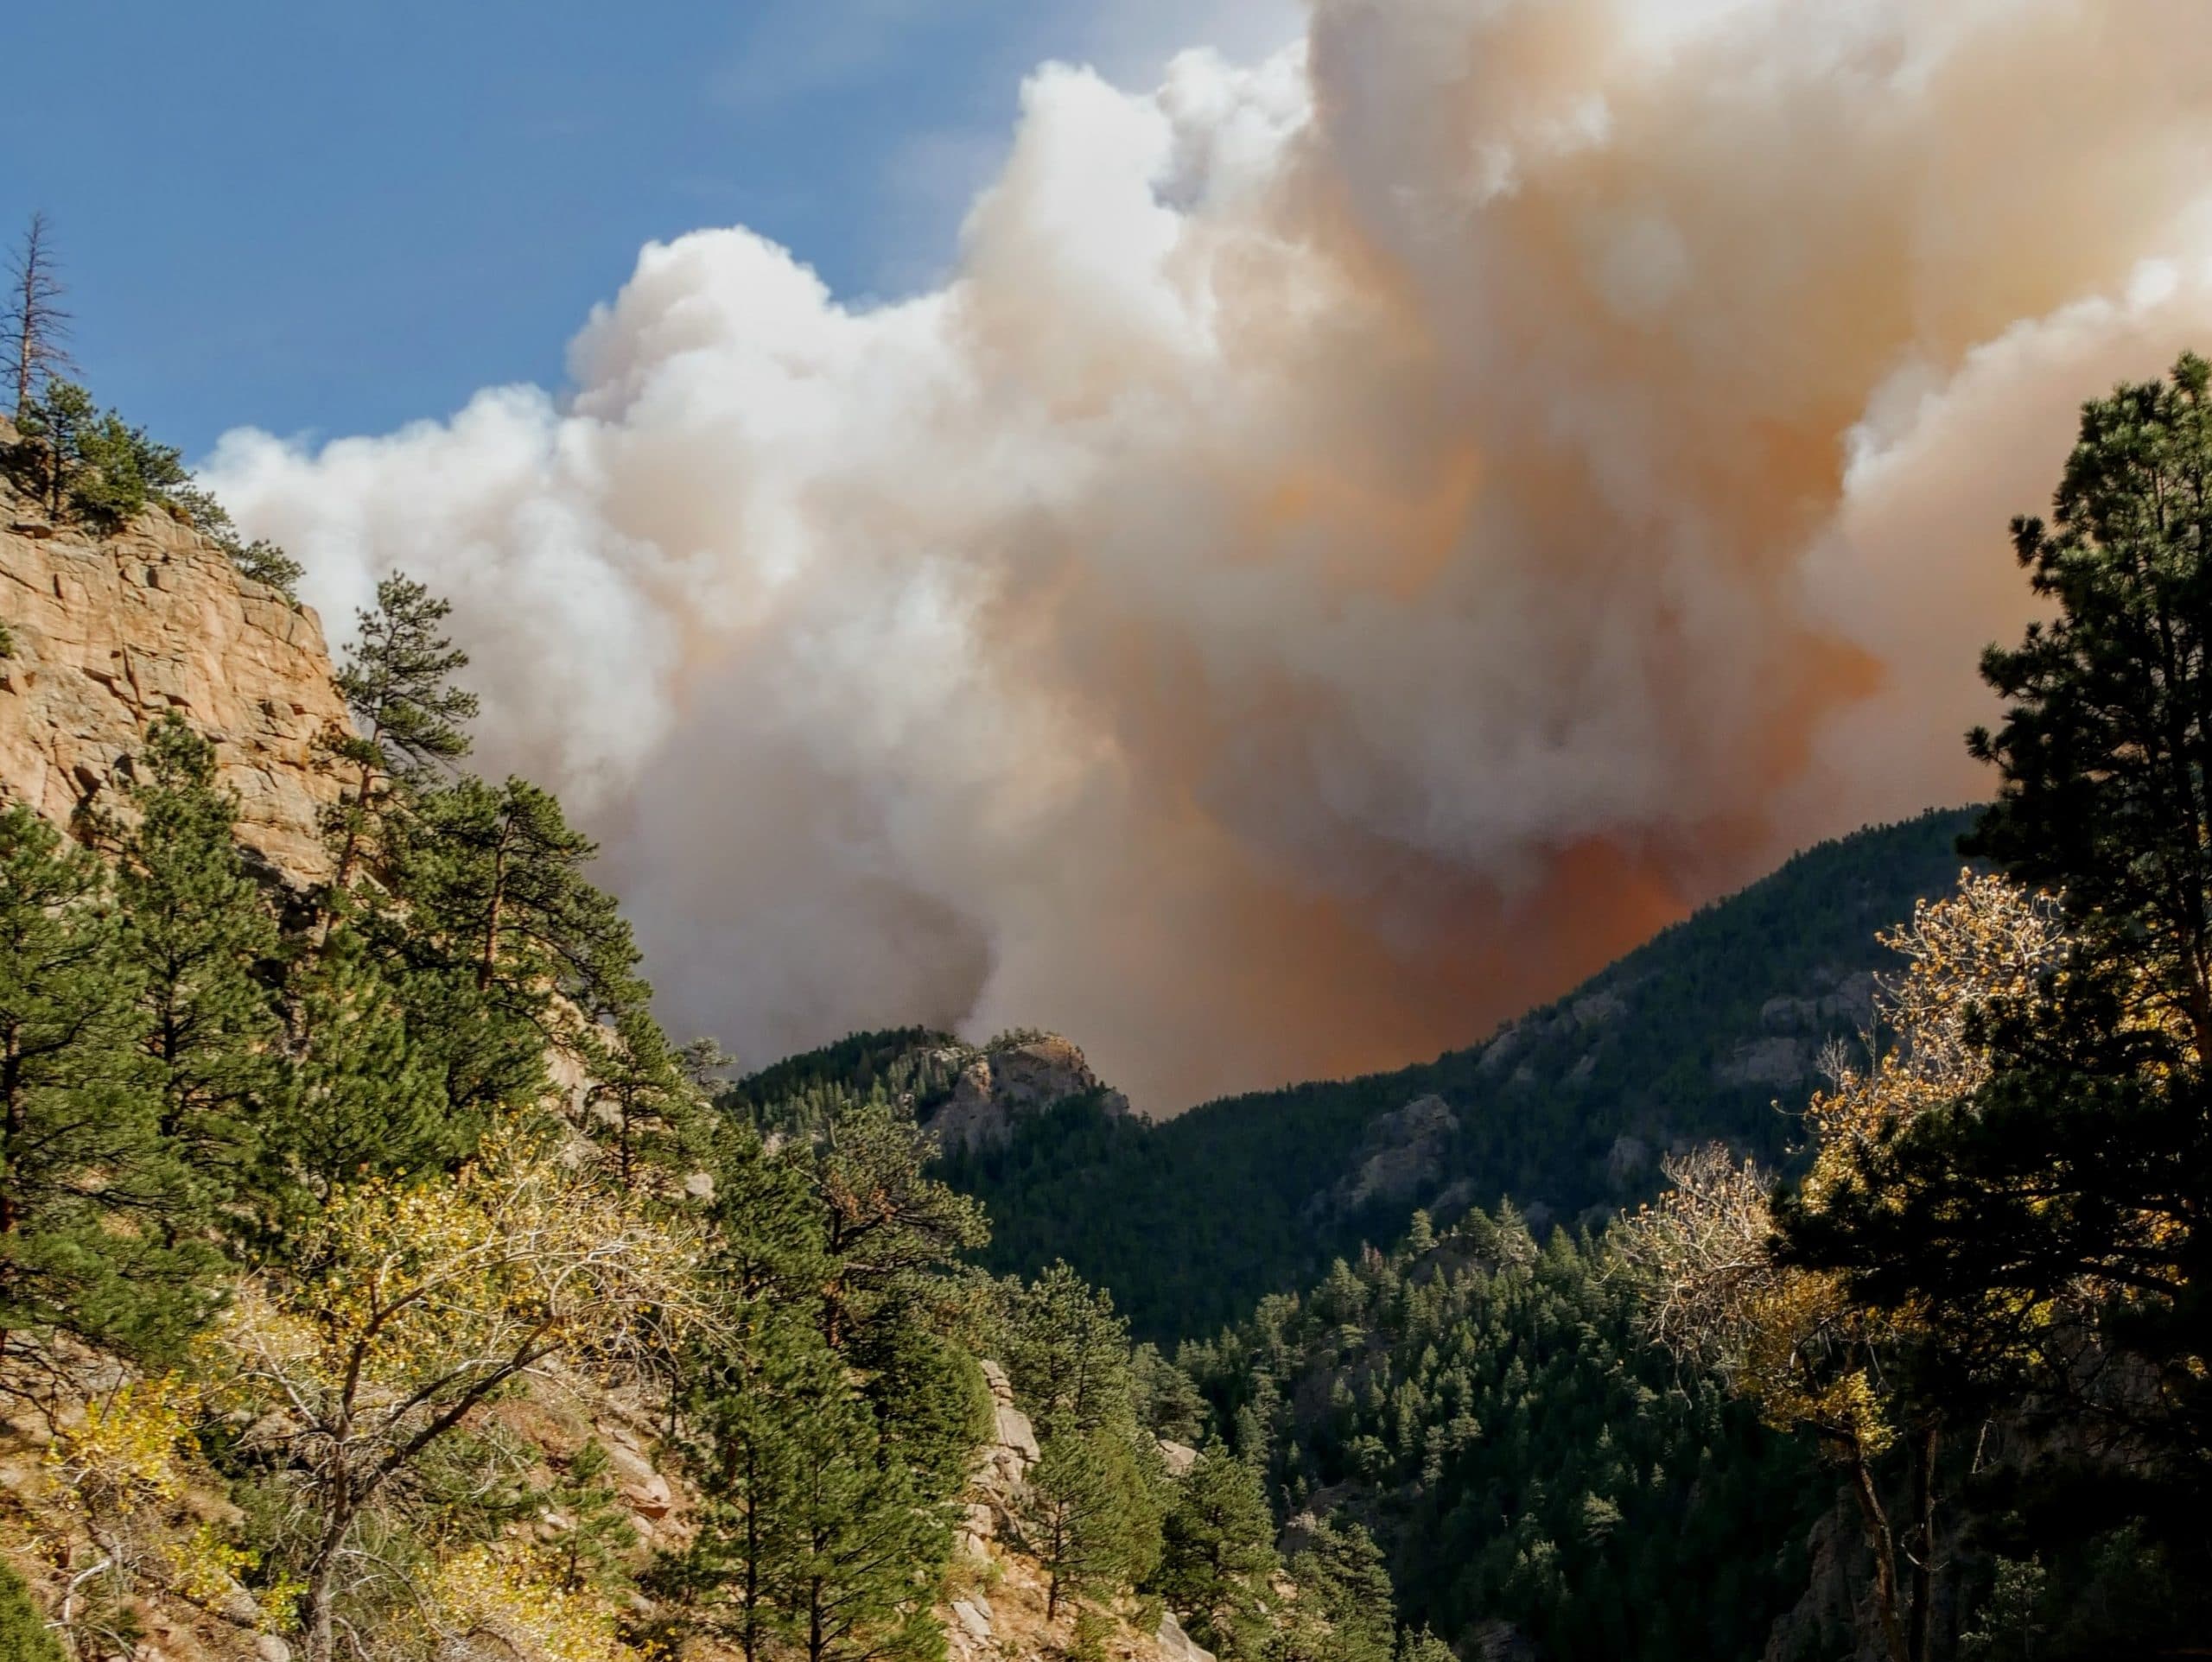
[[1923, 1550], [321, 1641], [322, 1592], [1883, 1543], [491, 920]]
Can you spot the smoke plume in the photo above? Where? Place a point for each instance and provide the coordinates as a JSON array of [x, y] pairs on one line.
[[1360, 538]]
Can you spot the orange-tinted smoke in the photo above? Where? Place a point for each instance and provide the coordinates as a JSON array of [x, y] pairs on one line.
[[1358, 541]]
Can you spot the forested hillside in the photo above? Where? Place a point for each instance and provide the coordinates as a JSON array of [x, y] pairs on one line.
[[379, 1280], [1696, 1034], [1489, 1408]]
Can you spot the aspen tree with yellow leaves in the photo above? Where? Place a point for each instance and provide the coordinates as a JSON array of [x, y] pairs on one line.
[[410, 1305]]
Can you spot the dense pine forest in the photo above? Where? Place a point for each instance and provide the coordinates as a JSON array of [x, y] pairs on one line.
[[1824, 1280]]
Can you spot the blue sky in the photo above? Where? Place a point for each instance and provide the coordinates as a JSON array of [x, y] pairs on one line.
[[332, 219]]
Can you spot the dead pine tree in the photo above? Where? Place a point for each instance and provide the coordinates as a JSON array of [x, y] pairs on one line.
[[37, 326]]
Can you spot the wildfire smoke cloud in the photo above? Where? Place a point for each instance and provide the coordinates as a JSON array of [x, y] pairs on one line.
[[1359, 539]]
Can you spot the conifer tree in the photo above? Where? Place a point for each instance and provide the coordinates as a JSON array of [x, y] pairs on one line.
[[24, 1636], [885, 1222], [408, 719], [88, 1195], [1169, 1402], [745, 1460], [1423, 1646], [1067, 1354], [642, 1107], [1346, 1610], [359, 1095], [593, 1530], [1088, 1515], [37, 325], [91, 461], [495, 873], [2062, 1195], [1217, 1552], [869, 1547], [198, 930]]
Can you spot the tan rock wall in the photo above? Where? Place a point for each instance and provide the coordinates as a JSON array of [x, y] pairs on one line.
[[110, 633]]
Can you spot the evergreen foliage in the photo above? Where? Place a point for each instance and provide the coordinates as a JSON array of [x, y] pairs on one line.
[[409, 718], [832, 1421], [1343, 1611], [90, 462], [94, 1205], [24, 1636], [1488, 1408], [1217, 1554], [593, 1534], [203, 940], [2046, 1218], [1092, 1520], [361, 1095], [1189, 1221]]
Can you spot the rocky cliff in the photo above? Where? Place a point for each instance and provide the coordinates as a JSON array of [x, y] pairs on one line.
[[1009, 1080], [110, 633]]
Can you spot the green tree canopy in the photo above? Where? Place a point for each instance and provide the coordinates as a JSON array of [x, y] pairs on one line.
[[89, 1197]]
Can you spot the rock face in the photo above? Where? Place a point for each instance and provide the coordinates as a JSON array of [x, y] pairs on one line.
[[111, 633], [1400, 1158], [1175, 1645], [1001, 1085], [999, 1482], [995, 1607]]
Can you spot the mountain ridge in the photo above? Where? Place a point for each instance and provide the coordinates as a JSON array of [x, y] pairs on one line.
[[1694, 1035]]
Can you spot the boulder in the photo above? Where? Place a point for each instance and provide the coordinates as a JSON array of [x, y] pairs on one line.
[[1175, 1645]]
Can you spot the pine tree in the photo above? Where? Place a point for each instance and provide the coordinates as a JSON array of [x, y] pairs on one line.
[[745, 1458], [1168, 1401], [868, 1548], [1217, 1552], [56, 424], [886, 1224], [196, 927], [1423, 1646], [408, 718], [642, 1107], [88, 1195], [36, 325], [91, 461], [828, 1471], [2062, 1197], [359, 1095], [1067, 1353], [1087, 1516], [497, 873], [1345, 1609], [593, 1534]]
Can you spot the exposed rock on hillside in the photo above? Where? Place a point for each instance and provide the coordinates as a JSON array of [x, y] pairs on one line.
[[1401, 1156], [1003, 1084], [996, 1611], [111, 634]]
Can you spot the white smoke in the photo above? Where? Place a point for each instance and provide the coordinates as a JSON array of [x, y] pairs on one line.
[[1362, 536]]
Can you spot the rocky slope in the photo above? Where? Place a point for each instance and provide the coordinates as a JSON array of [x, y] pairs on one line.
[[993, 1608], [110, 634]]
